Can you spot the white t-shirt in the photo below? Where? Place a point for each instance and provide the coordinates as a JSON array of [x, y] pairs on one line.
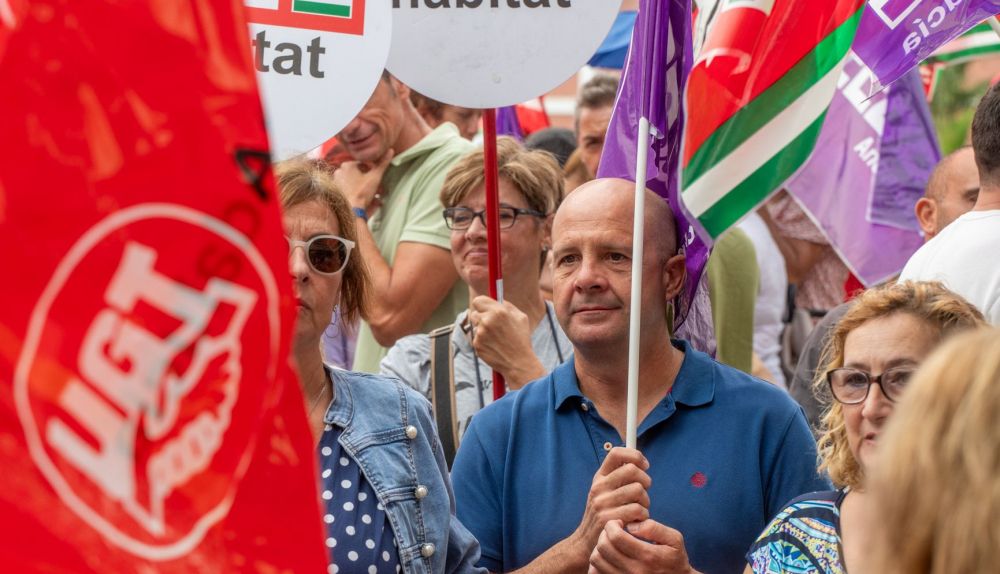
[[771, 299], [965, 256]]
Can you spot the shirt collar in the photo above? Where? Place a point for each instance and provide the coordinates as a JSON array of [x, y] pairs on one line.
[[695, 383], [694, 386], [460, 336], [566, 385], [430, 142], [341, 409]]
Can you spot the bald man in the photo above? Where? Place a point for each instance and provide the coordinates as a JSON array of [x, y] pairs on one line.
[[542, 478], [963, 255], [951, 191]]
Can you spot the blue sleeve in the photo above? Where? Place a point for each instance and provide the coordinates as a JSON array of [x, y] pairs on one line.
[[478, 495], [793, 469]]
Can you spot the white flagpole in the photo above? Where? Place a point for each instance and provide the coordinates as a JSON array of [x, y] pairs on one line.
[[635, 310], [995, 24]]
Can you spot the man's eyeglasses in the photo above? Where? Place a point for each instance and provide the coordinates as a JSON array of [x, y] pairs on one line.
[[326, 254], [461, 217], [850, 386]]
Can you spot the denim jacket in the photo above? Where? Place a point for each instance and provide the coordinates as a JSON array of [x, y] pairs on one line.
[[390, 433]]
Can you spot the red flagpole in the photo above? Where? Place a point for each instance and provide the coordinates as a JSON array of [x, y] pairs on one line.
[[493, 222]]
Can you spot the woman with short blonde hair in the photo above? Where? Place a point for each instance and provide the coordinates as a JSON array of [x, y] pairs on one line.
[[870, 356], [520, 337], [935, 489]]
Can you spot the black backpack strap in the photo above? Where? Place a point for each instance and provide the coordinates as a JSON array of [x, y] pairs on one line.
[[443, 390]]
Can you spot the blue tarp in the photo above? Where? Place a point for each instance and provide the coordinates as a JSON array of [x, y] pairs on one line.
[[614, 49]]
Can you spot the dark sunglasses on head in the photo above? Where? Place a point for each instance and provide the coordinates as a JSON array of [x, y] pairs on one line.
[[326, 254]]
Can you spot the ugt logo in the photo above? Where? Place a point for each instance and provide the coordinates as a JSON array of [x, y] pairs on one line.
[[893, 12], [138, 401], [341, 16]]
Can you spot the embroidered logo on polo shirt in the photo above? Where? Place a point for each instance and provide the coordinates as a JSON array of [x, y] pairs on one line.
[[699, 480]]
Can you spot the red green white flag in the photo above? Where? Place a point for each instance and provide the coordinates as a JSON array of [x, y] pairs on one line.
[[341, 8], [979, 42], [756, 100]]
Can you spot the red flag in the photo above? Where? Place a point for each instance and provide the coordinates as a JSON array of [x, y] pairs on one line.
[[149, 420], [532, 116]]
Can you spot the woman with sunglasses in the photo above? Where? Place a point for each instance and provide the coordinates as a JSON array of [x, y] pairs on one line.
[[388, 500], [870, 356], [521, 337]]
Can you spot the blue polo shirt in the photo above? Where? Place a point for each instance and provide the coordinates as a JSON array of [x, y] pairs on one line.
[[726, 453]]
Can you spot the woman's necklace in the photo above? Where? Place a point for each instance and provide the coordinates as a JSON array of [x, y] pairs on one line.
[[319, 395]]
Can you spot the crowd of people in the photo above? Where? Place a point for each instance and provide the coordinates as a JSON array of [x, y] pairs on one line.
[[825, 429]]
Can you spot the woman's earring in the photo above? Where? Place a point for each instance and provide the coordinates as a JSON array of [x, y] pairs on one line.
[[333, 322]]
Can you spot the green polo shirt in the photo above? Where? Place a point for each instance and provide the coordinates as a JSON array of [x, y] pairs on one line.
[[733, 282], [411, 211]]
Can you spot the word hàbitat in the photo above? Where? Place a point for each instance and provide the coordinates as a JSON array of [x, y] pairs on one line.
[[289, 58]]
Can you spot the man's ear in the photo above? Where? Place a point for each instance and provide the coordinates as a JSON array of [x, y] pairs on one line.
[[926, 211], [401, 89], [547, 231], [674, 273]]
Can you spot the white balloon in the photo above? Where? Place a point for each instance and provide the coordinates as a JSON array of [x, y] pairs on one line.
[[313, 72], [492, 53]]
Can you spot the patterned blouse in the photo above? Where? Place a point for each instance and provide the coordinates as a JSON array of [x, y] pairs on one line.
[[803, 538], [359, 536]]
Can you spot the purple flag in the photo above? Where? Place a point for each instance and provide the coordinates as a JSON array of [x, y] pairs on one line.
[[895, 35], [508, 124], [836, 185], [652, 86], [907, 156]]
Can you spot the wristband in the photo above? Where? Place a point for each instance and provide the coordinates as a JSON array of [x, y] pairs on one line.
[[360, 213]]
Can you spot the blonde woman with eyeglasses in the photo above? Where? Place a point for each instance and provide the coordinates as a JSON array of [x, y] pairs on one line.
[[872, 354]]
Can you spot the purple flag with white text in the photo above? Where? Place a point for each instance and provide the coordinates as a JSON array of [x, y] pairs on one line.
[[896, 35], [907, 156], [871, 163], [652, 86]]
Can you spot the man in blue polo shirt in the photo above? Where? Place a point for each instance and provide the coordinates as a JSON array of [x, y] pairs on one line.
[[542, 478]]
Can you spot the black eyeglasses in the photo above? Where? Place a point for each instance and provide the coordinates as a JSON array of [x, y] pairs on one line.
[[851, 386], [461, 217], [326, 254]]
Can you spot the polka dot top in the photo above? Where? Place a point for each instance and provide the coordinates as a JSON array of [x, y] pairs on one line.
[[359, 536]]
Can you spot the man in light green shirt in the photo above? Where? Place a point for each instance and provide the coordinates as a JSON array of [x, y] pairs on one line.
[[733, 283], [394, 186]]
